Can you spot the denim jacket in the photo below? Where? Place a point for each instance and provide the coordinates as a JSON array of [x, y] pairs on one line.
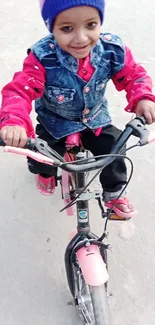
[[70, 104]]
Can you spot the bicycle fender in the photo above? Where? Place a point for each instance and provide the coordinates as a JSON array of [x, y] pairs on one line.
[[92, 265]]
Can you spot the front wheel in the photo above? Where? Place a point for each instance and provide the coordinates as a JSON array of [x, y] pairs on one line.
[[91, 301], [100, 305]]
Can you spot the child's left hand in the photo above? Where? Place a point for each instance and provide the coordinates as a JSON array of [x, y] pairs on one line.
[[147, 109]]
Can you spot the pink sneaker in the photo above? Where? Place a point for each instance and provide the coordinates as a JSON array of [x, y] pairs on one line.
[[46, 186]]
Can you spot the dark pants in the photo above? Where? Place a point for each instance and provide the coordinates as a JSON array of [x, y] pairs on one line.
[[112, 178]]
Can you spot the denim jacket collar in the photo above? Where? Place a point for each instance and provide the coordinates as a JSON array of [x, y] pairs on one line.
[[71, 63]]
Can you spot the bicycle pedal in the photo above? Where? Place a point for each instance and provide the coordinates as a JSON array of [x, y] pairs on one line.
[[115, 217]]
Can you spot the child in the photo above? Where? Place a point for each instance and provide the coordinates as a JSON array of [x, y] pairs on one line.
[[66, 73]]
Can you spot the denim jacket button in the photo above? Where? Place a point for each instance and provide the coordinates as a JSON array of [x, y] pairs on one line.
[[52, 46], [86, 111], [61, 98], [107, 37], [86, 90], [84, 120]]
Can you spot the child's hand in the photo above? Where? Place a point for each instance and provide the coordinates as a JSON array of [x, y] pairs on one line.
[[147, 109], [14, 136]]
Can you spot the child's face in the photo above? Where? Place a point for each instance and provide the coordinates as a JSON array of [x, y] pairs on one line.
[[77, 30]]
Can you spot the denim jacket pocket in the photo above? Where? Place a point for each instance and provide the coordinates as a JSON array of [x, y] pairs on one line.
[[62, 101], [61, 96]]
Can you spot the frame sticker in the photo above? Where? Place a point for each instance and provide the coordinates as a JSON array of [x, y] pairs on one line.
[[83, 215]]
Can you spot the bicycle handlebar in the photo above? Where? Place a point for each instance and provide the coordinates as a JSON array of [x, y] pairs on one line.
[[45, 154]]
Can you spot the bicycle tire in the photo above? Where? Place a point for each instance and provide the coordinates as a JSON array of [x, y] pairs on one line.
[[95, 309], [100, 305]]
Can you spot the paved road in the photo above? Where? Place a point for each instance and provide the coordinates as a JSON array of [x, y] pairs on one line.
[[33, 288]]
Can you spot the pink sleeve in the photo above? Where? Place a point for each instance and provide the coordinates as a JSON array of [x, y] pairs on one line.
[[17, 96], [134, 80]]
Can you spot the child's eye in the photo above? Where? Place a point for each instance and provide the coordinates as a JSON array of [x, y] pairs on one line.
[[67, 29], [91, 25]]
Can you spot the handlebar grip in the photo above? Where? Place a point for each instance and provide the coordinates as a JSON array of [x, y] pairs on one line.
[[30, 144], [142, 119]]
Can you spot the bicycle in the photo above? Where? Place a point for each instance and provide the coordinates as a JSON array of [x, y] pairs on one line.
[[86, 259]]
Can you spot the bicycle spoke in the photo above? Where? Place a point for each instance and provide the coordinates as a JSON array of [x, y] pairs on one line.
[[83, 299]]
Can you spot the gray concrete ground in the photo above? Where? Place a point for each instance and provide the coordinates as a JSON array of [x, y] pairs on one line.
[[33, 234]]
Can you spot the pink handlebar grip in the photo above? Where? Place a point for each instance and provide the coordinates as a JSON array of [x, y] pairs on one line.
[[28, 153]]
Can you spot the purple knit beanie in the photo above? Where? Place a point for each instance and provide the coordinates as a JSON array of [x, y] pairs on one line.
[[51, 8]]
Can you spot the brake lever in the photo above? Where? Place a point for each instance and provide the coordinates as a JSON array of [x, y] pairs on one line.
[[43, 147]]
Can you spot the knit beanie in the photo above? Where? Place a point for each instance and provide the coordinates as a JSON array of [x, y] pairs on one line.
[[51, 8]]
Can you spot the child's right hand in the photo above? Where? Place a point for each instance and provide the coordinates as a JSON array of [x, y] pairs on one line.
[[15, 136]]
